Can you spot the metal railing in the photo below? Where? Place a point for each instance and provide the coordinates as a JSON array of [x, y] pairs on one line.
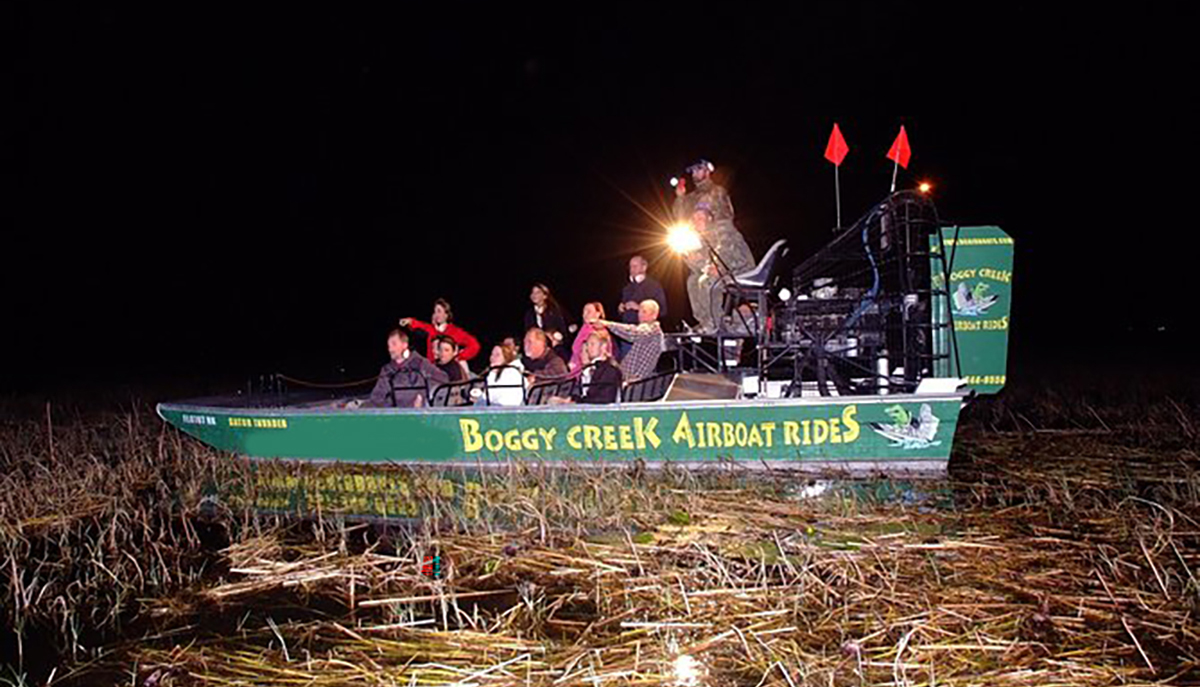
[[451, 394], [648, 389], [564, 387], [462, 392]]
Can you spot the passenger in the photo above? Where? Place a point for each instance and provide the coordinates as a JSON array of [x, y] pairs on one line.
[[511, 342], [540, 361], [591, 311], [647, 340], [547, 315], [504, 381], [448, 360], [443, 326], [404, 379], [600, 381], [558, 343], [641, 286]]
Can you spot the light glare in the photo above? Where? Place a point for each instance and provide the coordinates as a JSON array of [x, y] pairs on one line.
[[688, 671], [682, 238]]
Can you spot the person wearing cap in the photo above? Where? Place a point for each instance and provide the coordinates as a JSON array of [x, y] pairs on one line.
[[703, 191], [700, 267], [710, 211]]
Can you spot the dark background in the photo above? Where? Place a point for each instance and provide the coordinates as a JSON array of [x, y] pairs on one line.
[[203, 194]]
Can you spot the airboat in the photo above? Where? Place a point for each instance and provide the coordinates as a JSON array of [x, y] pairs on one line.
[[858, 365]]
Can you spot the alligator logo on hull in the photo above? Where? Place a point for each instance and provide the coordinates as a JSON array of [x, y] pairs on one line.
[[909, 431]]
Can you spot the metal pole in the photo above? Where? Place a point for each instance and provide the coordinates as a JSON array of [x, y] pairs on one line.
[[946, 270], [837, 191], [895, 169]]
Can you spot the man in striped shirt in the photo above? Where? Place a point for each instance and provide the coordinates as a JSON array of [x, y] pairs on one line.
[[646, 337]]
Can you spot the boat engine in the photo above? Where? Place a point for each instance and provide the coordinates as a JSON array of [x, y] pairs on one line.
[[859, 319]]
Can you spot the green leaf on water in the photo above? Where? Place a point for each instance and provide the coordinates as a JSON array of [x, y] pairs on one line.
[[766, 551], [607, 538], [840, 545], [904, 527], [680, 517]]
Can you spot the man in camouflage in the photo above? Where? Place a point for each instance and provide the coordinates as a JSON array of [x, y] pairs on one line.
[[710, 212]]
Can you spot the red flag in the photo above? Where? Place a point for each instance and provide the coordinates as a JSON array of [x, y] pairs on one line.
[[836, 150], [900, 151]]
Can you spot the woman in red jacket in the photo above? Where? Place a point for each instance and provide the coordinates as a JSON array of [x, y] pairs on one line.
[[442, 326]]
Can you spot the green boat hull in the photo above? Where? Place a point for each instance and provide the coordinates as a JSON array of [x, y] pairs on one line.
[[909, 433], [394, 463]]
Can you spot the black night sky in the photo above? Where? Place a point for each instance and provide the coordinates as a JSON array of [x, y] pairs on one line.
[[212, 193]]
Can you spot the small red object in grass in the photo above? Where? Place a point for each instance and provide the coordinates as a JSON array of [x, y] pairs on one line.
[[432, 567]]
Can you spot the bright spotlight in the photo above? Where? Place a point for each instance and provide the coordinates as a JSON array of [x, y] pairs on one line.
[[785, 295], [925, 187], [682, 238]]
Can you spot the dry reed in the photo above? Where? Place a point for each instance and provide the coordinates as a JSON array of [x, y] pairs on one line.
[[1055, 555]]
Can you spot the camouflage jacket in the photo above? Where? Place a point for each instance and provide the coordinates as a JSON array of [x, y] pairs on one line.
[[711, 195], [729, 243]]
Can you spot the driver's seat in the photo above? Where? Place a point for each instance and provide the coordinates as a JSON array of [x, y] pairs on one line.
[[755, 284], [760, 276]]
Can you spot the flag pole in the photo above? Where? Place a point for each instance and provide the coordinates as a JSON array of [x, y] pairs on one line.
[[901, 150], [835, 152], [837, 192]]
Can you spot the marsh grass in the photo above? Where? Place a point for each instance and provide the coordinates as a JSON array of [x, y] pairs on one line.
[[94, 515], [1064, 549]]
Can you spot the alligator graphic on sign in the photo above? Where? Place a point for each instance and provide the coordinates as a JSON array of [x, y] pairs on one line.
[[973, 302]]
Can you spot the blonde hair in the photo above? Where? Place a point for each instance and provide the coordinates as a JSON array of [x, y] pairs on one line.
[[652, 304], [605, 338]]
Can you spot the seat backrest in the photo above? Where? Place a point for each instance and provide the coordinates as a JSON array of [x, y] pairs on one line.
[[406, 380], [648, 389], [455, 393], [540, 393], [493, 390], [760, 276]]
